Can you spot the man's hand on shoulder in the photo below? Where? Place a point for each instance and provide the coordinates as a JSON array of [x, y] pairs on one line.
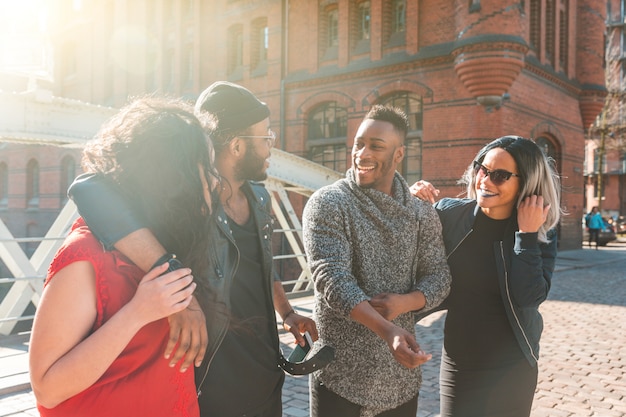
[[188, 336]]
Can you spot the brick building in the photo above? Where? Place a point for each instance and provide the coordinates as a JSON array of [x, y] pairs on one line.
[[466, 71], [606, 143], [41, 139], [33, 187]]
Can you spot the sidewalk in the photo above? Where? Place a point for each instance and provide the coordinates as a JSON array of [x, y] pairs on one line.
[[582, 370]]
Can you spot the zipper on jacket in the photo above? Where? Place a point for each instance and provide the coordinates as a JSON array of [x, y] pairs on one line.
[[459, 244], [208, 365], [221, 338], [508, 295]]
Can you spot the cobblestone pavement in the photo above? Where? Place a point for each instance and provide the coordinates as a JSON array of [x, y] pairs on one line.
[[582, 369]]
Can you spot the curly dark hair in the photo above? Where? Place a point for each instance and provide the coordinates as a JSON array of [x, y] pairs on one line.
[[155, 150]]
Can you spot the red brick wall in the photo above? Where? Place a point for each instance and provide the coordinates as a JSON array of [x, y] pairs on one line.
[[455, 126], [17, 215], [543, 101]]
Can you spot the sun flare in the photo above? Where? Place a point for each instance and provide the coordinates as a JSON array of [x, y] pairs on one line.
[[23, 35]]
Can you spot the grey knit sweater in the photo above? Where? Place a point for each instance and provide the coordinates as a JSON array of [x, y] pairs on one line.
[[361, 242]]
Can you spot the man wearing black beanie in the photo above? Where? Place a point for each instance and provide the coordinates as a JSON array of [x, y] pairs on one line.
[[236, 371]]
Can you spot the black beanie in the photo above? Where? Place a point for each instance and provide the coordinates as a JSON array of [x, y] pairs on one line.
[[234, 106]]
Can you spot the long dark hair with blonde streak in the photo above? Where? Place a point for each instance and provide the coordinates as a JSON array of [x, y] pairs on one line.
[[537, 176]]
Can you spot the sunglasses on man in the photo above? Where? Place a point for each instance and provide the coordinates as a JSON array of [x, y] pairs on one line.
[[497, 176]]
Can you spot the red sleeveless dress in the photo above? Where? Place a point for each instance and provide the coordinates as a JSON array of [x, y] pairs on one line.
[[139, 382]]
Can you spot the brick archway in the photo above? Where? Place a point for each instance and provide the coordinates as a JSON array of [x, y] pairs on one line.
[[394, 86], [323, 97]]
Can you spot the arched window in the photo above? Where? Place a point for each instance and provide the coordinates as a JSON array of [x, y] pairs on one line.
[[549, 32], [333, 27], [235, 49], [411, 104], [363, 21], [32, 184], [4, 185], [398, 16], [535, 26], [360, 33], [394, 22], [259, 44], [329, 33], [328, 121], [563, 35], [327, 135], [68, 172], [550, 149]]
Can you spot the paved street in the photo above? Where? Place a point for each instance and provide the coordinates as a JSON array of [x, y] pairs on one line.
[[583, 348]]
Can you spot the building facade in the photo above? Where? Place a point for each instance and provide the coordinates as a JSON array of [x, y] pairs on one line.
[[606, 139], [465, 71], [41, 140], [33, 187]]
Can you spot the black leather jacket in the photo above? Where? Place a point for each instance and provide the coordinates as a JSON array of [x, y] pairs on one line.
[[524, 265], [226, 262], [110, 218]]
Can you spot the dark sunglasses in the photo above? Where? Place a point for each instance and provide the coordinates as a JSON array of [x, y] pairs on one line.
[[497, 176]]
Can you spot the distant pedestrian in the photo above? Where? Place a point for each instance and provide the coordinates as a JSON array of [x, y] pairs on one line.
[[594, 223], [501, 247]]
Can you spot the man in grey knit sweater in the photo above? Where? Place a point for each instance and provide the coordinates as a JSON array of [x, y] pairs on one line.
[[377, 258]]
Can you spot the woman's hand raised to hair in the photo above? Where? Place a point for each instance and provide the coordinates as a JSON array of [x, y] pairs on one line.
[[424, 191], [531, 214]]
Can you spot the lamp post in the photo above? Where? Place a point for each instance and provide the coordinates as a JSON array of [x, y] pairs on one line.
[[601, 151]]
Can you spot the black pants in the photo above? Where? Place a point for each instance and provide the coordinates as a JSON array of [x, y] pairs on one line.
[[273, 407], [491, 391], [593, 236], [325, 403]]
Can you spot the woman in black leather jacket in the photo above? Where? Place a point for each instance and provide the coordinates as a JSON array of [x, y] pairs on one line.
[[501, 248]]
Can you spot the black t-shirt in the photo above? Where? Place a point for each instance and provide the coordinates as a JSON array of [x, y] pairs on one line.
[[244, 372], [477, 331]]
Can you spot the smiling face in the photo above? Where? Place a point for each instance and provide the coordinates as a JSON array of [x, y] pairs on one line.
[[497, 201], [376, 153]]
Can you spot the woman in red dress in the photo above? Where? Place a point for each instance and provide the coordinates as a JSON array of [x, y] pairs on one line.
[[101, 325]]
